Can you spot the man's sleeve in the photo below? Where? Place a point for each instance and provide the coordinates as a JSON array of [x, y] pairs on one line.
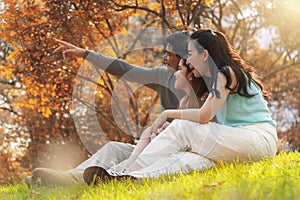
[[151, 77]]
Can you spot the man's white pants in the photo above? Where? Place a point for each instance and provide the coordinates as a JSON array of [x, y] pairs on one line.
[[110, 154]]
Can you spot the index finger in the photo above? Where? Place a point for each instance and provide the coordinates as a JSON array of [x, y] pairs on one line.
[[58, 49], [64, 43]]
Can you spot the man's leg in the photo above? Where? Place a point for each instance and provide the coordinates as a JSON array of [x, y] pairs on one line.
[[110, 154]]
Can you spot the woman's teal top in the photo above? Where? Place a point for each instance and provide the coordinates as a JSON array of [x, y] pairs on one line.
[[240, 111]]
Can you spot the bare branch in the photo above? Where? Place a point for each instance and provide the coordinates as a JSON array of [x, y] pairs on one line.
[[284, 67], [179, 12], [92, 107], [9, 110], [143, 8]]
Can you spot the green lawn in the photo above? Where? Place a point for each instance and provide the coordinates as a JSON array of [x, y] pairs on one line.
[[276, 178]]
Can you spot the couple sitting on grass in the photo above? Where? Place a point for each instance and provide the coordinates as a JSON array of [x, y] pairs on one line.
[[223, 116]]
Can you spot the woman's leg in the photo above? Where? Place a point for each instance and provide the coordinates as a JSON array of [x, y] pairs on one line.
[[166, 143], [181, 162], [213, 141]]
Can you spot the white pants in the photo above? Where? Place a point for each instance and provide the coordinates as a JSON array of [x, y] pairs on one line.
[[118, 153], [204, 145], [110, 154]]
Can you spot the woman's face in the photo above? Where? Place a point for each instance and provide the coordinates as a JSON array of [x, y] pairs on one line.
[[196, 60], [181, 76]]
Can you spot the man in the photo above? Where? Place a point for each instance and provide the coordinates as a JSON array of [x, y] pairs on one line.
[[159, 79]]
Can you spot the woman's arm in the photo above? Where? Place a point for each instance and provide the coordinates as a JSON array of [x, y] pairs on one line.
[[144, 140], [142, 143]]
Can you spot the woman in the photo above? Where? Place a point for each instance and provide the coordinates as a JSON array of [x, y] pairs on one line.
[[244, 130]]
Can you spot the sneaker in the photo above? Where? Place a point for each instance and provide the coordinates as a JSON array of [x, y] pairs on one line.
[[48, 177], [94, 175]]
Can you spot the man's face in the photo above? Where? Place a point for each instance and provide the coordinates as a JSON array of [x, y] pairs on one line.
[[170, 58]]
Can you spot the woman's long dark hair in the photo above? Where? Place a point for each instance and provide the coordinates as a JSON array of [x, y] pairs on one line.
[[223, 56]]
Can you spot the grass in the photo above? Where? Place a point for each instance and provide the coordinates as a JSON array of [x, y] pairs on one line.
[[276, 178]]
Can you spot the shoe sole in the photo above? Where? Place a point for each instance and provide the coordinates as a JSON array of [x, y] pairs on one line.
[[94, 175]]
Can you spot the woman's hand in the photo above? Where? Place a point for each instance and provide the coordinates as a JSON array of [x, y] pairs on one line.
[[163, 127], [68, 48], [158, 123]]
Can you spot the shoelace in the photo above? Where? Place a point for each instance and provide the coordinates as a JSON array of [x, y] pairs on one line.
[[118, 170], [122, 172]]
